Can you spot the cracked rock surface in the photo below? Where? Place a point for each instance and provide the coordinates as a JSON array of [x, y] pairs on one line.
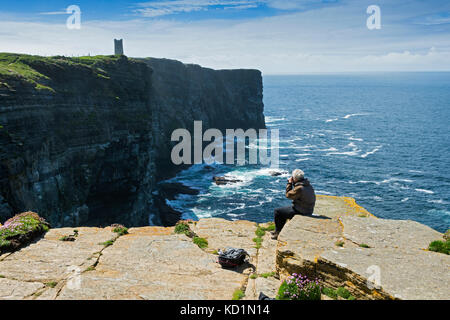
[[343, 245]]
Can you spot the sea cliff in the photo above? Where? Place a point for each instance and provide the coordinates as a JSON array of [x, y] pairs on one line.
[[85, 141]]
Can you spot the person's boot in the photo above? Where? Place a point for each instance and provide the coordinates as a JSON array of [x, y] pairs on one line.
[[274, 235]]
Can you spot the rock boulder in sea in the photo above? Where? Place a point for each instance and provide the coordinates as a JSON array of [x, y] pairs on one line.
[[225, 180]]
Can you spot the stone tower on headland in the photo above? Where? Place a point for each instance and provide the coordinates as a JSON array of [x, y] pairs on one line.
[[118, 46]]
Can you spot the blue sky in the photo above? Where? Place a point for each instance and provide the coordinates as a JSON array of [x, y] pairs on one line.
[[275, 36]]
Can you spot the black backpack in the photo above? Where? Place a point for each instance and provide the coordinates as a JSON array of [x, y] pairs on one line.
[[232, 257]]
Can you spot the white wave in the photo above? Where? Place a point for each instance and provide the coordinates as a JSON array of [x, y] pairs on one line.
[[355, 139], [415, 171], [247, 176], [424, 191], [404, 199], [200, 213], [365, 182], [440, 201], [324, 192], [371, 152], [353, 115], [302, 159], [307, 147], [326, 150], [302, 154], [347, 153], [397, 179], [346, 116], [235, 214], [436, 211], [273, 119]]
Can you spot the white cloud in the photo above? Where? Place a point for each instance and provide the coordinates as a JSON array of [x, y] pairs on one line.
[[312, 41], [161, 8], [53, 13]]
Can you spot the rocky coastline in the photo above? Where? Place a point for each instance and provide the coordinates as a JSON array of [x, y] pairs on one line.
[[86, 140], [343, 245]]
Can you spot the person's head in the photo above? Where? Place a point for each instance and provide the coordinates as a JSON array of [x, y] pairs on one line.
[[298, 175]]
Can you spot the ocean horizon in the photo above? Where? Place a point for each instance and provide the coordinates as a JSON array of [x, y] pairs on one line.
[[379, 137]]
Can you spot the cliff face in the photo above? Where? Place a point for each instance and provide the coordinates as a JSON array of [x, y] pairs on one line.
[[219, 98], [83, 141]]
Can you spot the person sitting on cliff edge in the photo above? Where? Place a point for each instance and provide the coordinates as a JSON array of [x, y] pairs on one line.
[[303, 197]]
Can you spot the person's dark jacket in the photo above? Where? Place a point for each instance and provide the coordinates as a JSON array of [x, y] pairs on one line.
[[302, 195]]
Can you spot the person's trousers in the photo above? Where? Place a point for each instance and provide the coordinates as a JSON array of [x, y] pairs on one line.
[[281, 215]]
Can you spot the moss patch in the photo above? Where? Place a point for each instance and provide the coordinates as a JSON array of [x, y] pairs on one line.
[[238, 294], [200, 242], [440, 246], [51, 284], [260, 232], [339, 243], [339, 292]]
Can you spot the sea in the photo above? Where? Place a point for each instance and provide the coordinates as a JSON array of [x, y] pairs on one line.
[[381, 138]]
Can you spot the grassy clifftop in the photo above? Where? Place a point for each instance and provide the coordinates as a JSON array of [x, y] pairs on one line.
[[36, 70]]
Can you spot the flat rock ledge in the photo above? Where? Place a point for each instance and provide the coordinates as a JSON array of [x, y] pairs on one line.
[[342, 244]]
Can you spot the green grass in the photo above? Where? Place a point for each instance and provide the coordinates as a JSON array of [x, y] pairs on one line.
[[339, 243], [238, 294], [268, 274], [200, 242], [342, 292], [181, 228], [260, 232], [258, 241], [2, 276], [25, 67], [121, 230], [363, 245], [440, 246], [263, 275], [70, 237], [51, 284], [339, 292], [330, 292], [107, 243]]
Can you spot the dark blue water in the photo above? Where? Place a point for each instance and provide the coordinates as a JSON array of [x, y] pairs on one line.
[[381, 138]]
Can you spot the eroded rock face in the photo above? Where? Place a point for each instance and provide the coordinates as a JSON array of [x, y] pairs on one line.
[[87, 140]]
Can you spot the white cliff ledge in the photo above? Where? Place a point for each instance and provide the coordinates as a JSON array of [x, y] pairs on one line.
[[343, 244]]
